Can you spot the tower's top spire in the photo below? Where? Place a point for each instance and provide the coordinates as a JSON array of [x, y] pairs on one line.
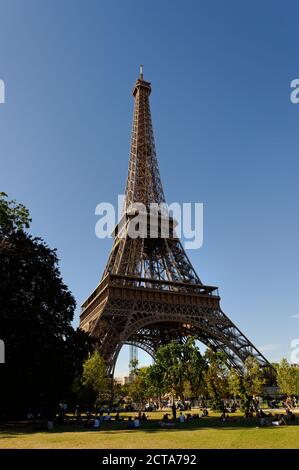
[[144, 182]]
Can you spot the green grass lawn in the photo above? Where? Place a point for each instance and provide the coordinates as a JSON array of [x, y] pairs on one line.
[[203, 433]]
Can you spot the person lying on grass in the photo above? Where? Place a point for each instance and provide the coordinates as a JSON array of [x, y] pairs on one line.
[[280, 422], [225, 418]]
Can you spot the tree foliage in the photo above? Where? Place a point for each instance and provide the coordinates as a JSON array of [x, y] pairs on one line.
[[139, 389], [13, 217], [287, 378], [93, 375], [43, 351], [216, 377], [254, 379], [234, 383], [175, 364], [94, 379]]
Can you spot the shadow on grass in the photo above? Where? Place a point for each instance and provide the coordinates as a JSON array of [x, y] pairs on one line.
[[10, 431]]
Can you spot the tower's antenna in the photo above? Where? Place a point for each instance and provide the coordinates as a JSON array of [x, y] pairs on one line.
[[133, 356], [141, 71]]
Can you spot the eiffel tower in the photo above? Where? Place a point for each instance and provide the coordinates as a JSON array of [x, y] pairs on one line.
[[150, 293]]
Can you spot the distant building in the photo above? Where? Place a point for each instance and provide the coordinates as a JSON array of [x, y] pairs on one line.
[[123, 380]]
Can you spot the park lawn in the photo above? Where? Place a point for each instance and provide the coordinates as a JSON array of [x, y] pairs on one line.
[[204, 433]]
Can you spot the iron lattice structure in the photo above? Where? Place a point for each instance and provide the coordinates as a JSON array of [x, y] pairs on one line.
[[150, 293]]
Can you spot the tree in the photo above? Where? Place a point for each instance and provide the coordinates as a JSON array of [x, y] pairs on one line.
[[94, 375], [120, 392], [14, 217], [175, 364], [287, 378], [253, 379], [252, 383], [234, 383], [216, 377], [155, 381], [169, 370], [43, 351], [195, 368], [138, 389], [133, 365]]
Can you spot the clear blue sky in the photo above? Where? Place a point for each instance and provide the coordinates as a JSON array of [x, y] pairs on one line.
[[226, 135]]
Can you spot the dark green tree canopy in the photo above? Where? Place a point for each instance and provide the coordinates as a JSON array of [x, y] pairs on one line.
[[43, 351], [175, 365], [13, 216]]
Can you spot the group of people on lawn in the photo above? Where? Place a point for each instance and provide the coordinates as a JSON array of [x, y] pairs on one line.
[[266, 419], [289, 402], [94, 422], [167, 422]]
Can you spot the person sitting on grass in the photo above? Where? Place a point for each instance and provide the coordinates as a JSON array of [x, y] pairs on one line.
[[118, 418], [107, 417], [173, 411], [231, 419], [144, 417], [223, 417], [96, 423], [181, 418], [261, 414], [30, 415], [166, 424], [289, 403], [130, 422], [78, 418], [136, 422], [88, 423], [165, 418], [290, 415]]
